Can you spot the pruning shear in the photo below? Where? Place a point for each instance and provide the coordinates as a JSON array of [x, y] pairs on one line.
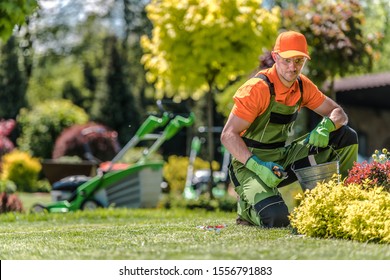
[[280, 173]]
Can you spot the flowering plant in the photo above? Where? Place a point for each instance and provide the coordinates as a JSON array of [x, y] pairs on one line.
[[357, 209], [333, 210], [376, 172], [6, 127]]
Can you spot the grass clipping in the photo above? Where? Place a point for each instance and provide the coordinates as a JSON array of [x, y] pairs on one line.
[[336, 210]]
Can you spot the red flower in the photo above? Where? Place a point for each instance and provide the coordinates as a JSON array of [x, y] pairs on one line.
[[377, 173]]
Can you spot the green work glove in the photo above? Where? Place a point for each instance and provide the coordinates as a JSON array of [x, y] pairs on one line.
[[269, 172], [319, 136]]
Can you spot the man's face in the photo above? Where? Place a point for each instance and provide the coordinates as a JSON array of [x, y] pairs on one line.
[[289, 68]]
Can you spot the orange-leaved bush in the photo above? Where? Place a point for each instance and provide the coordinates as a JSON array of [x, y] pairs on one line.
[[374, 173]]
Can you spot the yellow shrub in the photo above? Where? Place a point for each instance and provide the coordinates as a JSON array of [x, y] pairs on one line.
[[22, 169], [369, 219], [334, 210]]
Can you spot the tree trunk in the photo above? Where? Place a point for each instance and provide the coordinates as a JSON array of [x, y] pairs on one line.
[[331, 91], [210, 136]]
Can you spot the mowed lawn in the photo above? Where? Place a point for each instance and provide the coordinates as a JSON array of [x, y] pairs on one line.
[[161, 234]]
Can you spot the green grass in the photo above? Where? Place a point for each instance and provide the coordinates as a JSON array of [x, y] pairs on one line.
[[155, 234]]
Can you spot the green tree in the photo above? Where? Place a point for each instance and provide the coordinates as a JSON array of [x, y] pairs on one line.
[[55, 77], [79, 62], [337, 43], [65, 45], [41, 125], [136, 24], [115, 105], [13, 82], [12, 13], [377, 15], [199, 47]]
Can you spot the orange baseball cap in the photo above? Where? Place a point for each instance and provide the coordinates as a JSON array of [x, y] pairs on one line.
[[290, 44]]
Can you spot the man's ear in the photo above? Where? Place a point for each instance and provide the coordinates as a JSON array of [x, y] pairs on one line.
[[273, 54]]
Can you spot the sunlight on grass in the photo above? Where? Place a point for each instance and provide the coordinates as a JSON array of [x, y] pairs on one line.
[[159, 234]]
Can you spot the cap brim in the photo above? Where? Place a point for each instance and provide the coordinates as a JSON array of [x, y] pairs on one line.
[[289, 54]]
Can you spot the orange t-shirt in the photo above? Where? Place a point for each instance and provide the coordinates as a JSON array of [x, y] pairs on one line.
[[253, 97]]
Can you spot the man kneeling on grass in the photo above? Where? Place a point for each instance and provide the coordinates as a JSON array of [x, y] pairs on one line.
[[264, 111]]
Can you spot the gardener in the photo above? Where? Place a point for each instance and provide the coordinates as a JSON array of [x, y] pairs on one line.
[[265, 109]]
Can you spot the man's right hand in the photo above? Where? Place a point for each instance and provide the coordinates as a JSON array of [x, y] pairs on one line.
[[266, 171]]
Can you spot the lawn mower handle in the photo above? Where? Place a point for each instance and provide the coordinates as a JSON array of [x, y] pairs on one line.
[[169, 131], [176, 124], [151, 123]]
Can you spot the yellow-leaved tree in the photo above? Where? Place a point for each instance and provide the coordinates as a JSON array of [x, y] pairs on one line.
[[198, 47]]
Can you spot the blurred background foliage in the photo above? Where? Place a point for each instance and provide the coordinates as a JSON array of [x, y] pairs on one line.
[[111, 59]]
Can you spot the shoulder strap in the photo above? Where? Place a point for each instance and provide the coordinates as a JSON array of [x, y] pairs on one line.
[[267, 81], [300, 84]]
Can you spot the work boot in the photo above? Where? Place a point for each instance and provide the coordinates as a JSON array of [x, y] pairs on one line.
[[242, 222]]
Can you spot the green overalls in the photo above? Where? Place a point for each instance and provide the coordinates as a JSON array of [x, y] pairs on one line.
[[266, 138]]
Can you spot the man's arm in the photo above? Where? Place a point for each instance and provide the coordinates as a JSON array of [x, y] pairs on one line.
[[331, 109], [269, 172], [232, 140], [333, 118]]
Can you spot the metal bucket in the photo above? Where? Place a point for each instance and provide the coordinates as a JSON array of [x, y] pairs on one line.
[[308, 177]]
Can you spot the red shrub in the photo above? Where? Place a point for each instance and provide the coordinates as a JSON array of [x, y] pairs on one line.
[[6, 127], [376, 172], [92, 138], [10, 203]]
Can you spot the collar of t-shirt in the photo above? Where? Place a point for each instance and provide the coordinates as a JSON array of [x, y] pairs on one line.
[[283, 94]]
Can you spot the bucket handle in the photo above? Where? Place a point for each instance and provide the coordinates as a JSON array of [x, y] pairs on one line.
[[311, 157]]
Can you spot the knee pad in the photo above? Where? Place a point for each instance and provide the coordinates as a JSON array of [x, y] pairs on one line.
[[343, 137], [273, 212]]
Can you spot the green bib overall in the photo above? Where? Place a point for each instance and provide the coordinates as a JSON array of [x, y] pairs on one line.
[[266, 138]]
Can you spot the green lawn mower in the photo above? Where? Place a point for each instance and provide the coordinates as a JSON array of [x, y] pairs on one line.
[[121, 185]]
